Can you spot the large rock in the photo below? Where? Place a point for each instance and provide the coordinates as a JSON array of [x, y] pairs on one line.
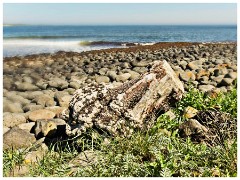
[[18, 99], [226, 82], [190, 112], [192, 127], [85, 158], [58, 83], [11, 107], [17, 138], [74, 84], [206, 88], [62, 98], [44, 128], [26, 126], [32, 107], [142, 63], [102, 79], [112, 74], [187, 76], [26, 86], [218, 79], [195, 64], [13, 119], [41, 114], [123, 77], [135, 104], [56, 109], [134, 74], [42, 84], [33, 94], [44, 100], [49, 128], [232, 75]]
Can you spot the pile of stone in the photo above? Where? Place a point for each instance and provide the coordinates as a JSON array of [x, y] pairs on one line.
[[38, 88]]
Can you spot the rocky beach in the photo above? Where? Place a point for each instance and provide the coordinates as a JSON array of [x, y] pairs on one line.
[[38, 88], [119, 90]]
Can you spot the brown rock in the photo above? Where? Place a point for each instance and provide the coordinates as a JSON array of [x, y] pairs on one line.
[[191, 127], [74, 85], [56, 109], [85, 158], [170, 114], [190, 112], [202, 72], [41, 114], [32, 107], [26, 86], [187, 76], [13, 119], [64, 101], [26, 126], [17, 138], [62, 98], [9, 106], [206, 88], [232, 75], [58, 83], [194, 65], [44, 100], [44, 128], [102, 79], [123, 77], [226, 82]]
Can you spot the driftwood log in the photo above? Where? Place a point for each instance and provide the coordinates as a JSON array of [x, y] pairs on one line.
[[119, 110]]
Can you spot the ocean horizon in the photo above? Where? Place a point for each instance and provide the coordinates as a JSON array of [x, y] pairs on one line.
[[20, 40]]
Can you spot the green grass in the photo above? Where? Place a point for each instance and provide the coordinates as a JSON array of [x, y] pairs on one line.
[[158, 152]]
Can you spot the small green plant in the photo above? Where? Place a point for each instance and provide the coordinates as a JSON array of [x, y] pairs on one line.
[[159, 152], [11, 158], [225, 102]]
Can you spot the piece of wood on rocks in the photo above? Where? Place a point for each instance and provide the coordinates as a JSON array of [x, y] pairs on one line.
[[134, 105]]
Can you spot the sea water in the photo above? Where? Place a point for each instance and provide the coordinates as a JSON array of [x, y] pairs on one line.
[[25, 40]]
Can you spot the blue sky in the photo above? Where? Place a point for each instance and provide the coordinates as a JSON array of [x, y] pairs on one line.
[[119, 14]]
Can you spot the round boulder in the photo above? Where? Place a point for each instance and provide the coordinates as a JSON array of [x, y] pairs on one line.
[[58, 83], [187, 76], [9, 106], [17, 138], [41, 114], [102, 79], [206, 88], [13, 119], [44, 100], [123, 77], [26, 86], [26, 126]]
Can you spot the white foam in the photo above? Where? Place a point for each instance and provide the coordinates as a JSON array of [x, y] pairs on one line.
[[145, 44], [31, 42], [15, 47]]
